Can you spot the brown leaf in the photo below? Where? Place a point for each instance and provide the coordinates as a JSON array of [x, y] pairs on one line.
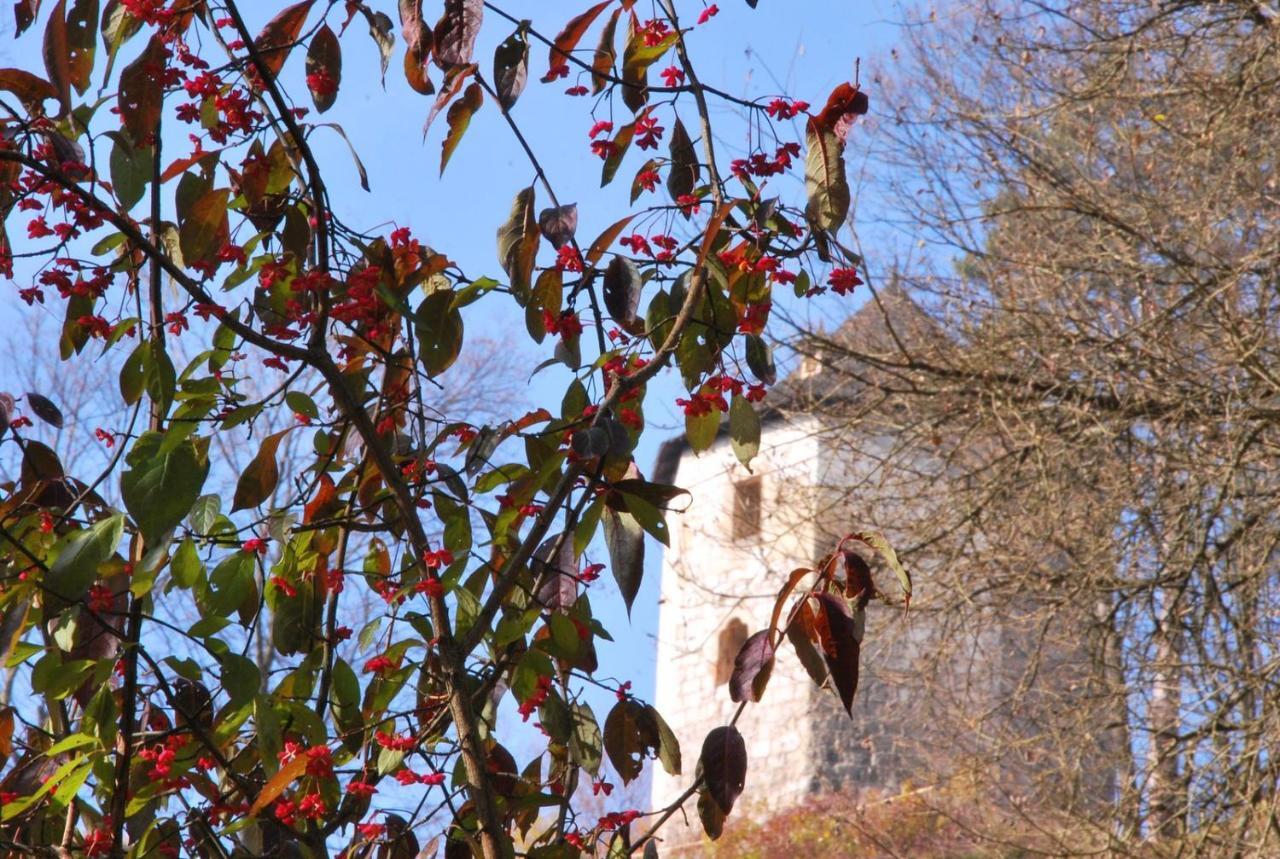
[[557, 588], [724, 766], [456, 32], [569, 37], [558, 224], [683, 175], [606, 54], [621, 143], [418, 39], [45, 410], [288, 774], [459, 118], [24, 13], [141, 94], [259, 480], [324, 68], [752, 668], [622, 285], [81, 40], [6, 733], [57, 57], [203, 226], [380, 28], [30, 89], [280, 35], [324, 503], [630, 734], [606, 239], [453, 81], [518, 240], [511, 68]]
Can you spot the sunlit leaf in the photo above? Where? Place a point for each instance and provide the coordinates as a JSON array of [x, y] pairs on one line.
[[280, 35], [459, 118], [567, 40]]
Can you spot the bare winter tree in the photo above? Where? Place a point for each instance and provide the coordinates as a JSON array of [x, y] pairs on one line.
[[1090, 360]]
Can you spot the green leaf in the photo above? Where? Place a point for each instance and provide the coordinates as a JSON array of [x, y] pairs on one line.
[[240, 678], [259, 480], [701, 429], [585, 743], [131, 170], [621, 143], [744, 429], [205, 512], [302, 404], [668, 745], [83, 552], [518, 240], [760, 360], [440, 332], [161, 486]]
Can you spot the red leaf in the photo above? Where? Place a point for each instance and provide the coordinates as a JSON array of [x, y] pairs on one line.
[[324, 502], [456, 32], [569, 38], [279, 36], [724, 766], [751, 668], [845, 104], [839, 636]]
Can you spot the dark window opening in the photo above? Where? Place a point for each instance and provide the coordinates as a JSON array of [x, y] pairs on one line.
[[747, 500]]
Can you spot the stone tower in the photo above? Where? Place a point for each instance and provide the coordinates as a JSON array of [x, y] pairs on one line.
[[733, 547]]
